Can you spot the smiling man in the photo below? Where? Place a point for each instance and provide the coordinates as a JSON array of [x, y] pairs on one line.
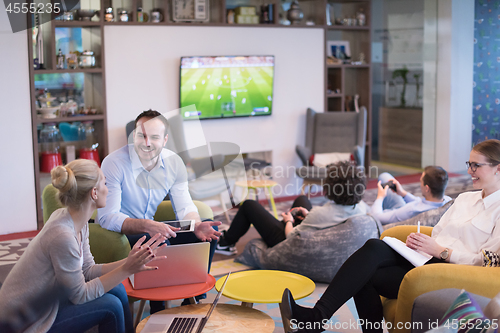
[[139, 176]]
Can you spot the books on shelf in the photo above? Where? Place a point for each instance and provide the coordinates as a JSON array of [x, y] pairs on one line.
[[417, 258]]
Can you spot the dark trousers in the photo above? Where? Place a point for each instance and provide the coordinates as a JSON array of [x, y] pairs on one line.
[[181, 238], [269, 228], [375, 269]]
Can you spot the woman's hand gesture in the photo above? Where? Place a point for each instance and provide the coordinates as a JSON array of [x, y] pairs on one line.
[[141, 254]]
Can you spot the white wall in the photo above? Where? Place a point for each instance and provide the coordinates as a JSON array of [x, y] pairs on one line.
[[17, 193], [430, 54], [142, 72], [454, 83]]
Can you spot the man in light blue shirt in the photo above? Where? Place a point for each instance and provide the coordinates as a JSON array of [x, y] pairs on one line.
[[139, 176], [393, 206]]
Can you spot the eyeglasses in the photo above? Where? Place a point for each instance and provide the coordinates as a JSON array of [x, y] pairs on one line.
[[473, 165]]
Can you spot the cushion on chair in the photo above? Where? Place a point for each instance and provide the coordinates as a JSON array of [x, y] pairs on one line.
[[429, 308], [165, 212], [311, 172], [429, 218], [315, 254], [100, 241], [490, 259], [465, 314], [324, 159]]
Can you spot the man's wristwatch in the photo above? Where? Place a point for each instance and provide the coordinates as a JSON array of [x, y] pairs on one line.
[[444, 255]]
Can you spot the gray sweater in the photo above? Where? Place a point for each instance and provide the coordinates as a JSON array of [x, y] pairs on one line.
[[48, 273], [328, 215]]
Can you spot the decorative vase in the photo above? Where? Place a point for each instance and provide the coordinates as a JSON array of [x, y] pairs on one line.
[[295, 14]]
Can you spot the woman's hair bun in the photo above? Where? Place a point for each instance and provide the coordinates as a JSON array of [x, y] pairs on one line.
[[62, 178]]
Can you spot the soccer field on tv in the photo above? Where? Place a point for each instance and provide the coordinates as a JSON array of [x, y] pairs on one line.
[[228, 91]]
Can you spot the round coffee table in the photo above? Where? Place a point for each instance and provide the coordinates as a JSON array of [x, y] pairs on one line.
[[263, 183], [166, 293], [226, 318], [264, 286]]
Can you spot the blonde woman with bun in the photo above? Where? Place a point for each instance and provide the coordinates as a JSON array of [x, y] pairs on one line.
[[56, 285]]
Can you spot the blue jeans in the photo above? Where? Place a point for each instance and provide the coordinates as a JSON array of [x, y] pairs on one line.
[[111, 312], [392, 199]]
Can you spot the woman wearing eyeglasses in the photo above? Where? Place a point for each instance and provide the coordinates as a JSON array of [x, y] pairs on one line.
[[467, 228]]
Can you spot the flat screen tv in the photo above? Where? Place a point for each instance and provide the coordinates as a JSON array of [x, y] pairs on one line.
[[226, 86]]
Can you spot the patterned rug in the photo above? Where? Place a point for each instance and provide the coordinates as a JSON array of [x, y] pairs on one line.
[[10, 251]]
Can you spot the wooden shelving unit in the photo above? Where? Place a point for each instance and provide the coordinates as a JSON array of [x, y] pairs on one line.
[[94, 89], [348, 78], [351, 79]]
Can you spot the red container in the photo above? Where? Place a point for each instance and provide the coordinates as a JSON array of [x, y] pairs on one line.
[[90, 154], [50, 161]]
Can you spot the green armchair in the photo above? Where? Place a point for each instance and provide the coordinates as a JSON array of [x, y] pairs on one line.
[[165, 211], [108, 246]]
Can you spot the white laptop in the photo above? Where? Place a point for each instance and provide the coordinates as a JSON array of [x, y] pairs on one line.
[[185, 264], [179, 323]]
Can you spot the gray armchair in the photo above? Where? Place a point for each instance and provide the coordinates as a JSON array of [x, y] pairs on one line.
[[329, 132]]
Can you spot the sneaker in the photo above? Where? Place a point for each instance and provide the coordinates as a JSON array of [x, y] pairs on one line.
[[227, 250]]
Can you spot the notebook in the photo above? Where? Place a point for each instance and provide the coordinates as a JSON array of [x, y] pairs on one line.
[[417, 258], [185, 264], [178, 323]]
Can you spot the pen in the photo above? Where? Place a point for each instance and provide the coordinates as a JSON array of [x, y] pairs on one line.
[[418, 227]]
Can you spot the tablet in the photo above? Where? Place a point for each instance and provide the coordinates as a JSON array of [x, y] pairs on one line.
[[185, 225]]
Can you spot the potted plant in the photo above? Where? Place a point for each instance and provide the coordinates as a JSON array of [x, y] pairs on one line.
[[402, 74]]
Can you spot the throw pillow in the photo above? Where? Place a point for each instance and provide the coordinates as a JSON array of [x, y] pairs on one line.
[[322, 160], [311, 160], [490, 259], [466, 316]]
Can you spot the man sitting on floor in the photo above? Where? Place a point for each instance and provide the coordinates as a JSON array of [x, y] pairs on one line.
[[393, 206]]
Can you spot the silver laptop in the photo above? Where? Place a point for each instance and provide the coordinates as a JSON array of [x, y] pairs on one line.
[[185, 264], [178, 323]]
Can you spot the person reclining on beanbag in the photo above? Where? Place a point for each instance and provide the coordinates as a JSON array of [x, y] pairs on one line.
[[344, 187]]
